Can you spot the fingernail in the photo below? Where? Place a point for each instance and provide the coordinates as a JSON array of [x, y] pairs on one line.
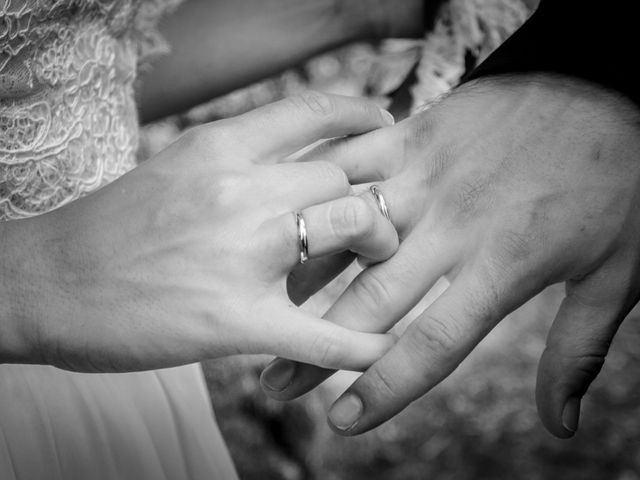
[[278, 375], [365, 262], [571, 414], [388, 118], [346, 412]]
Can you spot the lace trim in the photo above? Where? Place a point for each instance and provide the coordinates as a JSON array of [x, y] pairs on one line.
[[464, 28], [68, 121], [149, 41]]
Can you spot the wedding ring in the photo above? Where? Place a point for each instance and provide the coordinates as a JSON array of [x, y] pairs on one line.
[[382, 205], [303, 243]]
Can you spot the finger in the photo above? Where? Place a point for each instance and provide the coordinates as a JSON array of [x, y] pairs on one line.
[[348, 223], [298, 335], [366, 158], [306, 280], [405, 200], [352, 223], [284, 127], [373, 302], [293, 186], [431, 348], [577, 344]]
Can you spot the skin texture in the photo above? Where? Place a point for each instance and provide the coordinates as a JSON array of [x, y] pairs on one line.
[[253, 39], [508, 185], [187, 256]]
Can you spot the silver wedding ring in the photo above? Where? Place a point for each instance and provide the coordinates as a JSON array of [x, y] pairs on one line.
[[382, 205], [303, 242]]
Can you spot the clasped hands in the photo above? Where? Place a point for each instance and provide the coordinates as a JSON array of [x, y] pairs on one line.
[[505, 186]]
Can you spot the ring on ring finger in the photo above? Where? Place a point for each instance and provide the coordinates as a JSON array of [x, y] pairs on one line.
[[380, 201], [303, 241]]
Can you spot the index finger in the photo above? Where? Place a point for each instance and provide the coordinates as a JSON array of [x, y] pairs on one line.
[[381, 154], [431, 348], [284, 127]]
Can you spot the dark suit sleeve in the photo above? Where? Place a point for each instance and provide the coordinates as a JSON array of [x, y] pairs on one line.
[[595, 40]]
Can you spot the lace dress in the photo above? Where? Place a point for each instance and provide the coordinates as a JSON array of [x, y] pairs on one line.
[[68, 125]]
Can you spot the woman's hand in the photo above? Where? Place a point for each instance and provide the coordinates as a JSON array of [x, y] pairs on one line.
[[506, 186], [186, 257]]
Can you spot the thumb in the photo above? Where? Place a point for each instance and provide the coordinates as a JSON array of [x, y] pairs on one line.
[[577, 345]]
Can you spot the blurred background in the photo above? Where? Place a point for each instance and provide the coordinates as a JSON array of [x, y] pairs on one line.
[[481, 423]]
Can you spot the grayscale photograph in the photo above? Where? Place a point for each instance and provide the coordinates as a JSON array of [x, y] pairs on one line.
[[319, 240]]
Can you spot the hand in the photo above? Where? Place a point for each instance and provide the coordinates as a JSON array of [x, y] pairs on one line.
[[506, 186], [186, 257]]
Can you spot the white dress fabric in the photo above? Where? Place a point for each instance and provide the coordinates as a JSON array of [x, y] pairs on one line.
[[68, 125]]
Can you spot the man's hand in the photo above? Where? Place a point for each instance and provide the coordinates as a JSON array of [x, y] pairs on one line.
[[506, 186]]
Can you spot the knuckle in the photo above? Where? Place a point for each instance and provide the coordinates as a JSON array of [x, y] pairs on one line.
[[192, 137], [419, 131], [315, 102], [464, 199], [225, 189], [520, 240], [435, 335], [502, 283], [372, 294], [469, 196], [438, 164], [383, 382], [497, 279], [327, 350], [517, 246], [355, 220], [608, 293], [208, 138], [589, 366], [508, 263], [577, 368], [332, 174]]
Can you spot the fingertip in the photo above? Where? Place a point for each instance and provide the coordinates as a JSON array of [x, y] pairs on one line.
[[345, 413], [577, 345], [563, 423], [387, 117], [278, 375], [558, 404], [571, 415]]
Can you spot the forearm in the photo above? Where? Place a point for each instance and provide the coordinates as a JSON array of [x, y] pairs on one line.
[[218, 46], [589, 39], [22, 289]]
